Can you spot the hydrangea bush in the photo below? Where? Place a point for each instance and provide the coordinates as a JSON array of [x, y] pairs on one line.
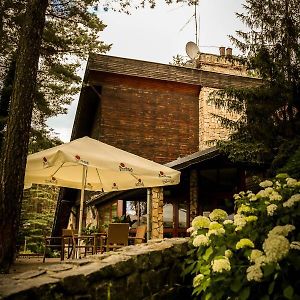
[[254, 256]]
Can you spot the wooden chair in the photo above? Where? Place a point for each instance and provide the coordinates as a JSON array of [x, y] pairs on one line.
[[62, 243], [139, 235], [86, 242], [117, 236]]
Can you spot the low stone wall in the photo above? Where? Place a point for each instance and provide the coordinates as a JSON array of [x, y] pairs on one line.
[[146, 271]]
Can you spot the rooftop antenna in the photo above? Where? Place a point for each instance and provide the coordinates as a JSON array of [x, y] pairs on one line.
[[197, 21], [192, 50]]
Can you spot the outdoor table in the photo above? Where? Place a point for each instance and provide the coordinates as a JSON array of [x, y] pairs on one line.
[[73, 242]]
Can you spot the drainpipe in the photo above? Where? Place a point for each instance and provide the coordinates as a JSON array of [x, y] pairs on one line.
[[149, 205]]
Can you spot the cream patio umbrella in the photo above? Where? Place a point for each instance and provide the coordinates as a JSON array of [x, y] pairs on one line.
[[88, 164]]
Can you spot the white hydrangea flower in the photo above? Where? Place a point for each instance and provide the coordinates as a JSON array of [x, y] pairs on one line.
[[218, 215], [220, 265], [201, 240], [262, 260], [271, 209], [266, 183], [236, 197], [269, 190], [190, 229], [201, 222], [197, 280], [244, 209], [254, 273], [251, 218], [239, 220], [295, 245], [291, 182], [252, 197], [262, 194], [219, 231], [255, 254], [276, 247], [274, 196], [194, 233], [215, 225], [243, 243], [281, 230], [228, 253], [226, 222], [278, 184], [292, 201]]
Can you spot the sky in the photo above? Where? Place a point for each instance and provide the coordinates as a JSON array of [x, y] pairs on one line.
[[159, 34]]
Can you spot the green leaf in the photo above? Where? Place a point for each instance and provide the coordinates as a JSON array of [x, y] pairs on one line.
[[205, 270], [208, 253], [189, 269], [236, 284], [192, 251], [271, 287], [205, 284], [208, 296], [288, 292], [245, 293], [268, 269]]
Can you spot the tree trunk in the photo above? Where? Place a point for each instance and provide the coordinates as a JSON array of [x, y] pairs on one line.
[[15, 148]]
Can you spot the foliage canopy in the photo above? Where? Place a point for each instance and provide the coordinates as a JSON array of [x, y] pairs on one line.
[[269, 121]]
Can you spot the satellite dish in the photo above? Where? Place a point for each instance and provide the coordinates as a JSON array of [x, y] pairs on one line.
[[192, 50]]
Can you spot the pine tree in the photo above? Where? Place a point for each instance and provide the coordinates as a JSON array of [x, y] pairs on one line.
[[38, 209], [15, 147], [72, 30], [268, 129]]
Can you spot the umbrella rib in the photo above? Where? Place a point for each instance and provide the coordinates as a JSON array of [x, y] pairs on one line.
[[57, 169], [99, 178], [134, 176]]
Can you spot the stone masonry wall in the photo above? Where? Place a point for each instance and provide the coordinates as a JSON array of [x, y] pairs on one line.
[[210, 128], [147, 271], [157, 230]]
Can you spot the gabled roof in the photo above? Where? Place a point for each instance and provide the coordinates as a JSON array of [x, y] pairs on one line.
[[151, 70]]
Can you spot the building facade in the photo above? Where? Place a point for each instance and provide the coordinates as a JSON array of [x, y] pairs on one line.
[[156, 111]]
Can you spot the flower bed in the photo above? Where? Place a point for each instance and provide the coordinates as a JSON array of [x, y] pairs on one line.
[[253, 256]]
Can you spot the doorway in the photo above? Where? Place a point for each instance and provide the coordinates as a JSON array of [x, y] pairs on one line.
[[175, 217]]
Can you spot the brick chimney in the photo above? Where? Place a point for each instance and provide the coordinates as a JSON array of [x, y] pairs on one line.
[[222, 51], [229, 52]]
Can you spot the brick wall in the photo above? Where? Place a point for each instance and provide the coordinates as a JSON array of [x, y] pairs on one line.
[[151, 119]]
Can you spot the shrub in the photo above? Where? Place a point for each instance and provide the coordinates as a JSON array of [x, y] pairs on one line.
[[253, 256]]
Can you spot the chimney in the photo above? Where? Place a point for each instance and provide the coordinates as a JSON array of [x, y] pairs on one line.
[[229, 52], [222, 51]]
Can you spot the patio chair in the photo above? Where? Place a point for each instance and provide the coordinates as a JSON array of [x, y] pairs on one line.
[[139, 235], [86, 242], [61, 243], [117, 236]]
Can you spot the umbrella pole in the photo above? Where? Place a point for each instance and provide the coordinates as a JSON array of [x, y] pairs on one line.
[[149, 206], [84, 171]]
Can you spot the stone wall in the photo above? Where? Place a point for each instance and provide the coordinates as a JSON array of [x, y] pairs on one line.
[[210, 128], [157, 230], [147, 271]]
